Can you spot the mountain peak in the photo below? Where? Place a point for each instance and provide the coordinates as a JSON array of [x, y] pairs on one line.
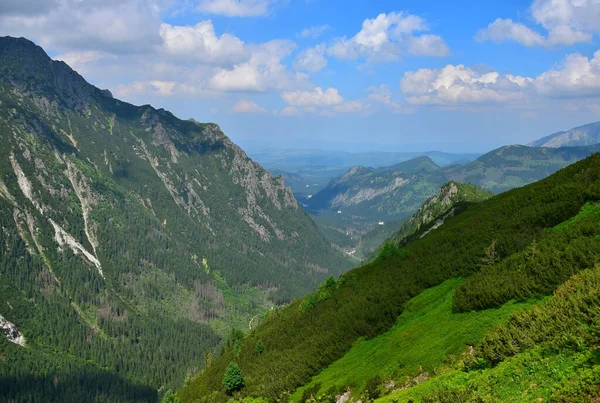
[[28, 68], [585, 135]]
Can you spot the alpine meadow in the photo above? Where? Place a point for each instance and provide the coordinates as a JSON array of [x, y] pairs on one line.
[[264, 201]]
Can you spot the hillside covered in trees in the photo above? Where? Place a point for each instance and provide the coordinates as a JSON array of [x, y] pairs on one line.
[[533, 238], [131, 241]]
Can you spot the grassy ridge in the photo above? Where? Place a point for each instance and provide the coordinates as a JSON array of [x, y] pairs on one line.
[[548, 352], [427, 335], [366, 301]]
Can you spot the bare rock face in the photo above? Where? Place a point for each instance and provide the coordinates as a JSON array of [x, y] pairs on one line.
[[11, 332]]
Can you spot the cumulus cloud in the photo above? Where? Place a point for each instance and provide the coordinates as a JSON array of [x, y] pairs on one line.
[[236, 8], [154, 87], [245, 106], [263, 71], [577, 77], [113, 26], [317, 97], [386, 37], [314, 32], [201, 42], [311, 60], [460, 85], [348, 107], [290, 111], [566, 22]]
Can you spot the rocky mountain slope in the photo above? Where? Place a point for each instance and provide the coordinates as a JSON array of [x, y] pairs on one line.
[[579, 136], [132, 240], [381, 193], [438, 208]]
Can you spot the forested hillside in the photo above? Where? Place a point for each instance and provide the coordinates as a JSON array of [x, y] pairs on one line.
[[509, 236], [131, 240]]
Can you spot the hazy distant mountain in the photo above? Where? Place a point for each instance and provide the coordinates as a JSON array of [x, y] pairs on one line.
[[579, 136], [330, 164]]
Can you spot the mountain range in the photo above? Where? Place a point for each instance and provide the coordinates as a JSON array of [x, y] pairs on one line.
[[132, 241], [498, 303], [141, 253], [364, 206]]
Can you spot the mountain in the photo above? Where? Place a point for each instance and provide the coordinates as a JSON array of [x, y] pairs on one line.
[[303, 186], [132, 241], [416, 324], [579, 136], [330, 164], [350, 209], [379, 193], [439, 207]]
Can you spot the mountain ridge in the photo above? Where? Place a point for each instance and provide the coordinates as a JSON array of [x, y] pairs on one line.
[[585, 135], [126, 228]]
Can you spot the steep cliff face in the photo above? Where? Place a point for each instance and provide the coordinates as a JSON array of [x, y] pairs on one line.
[[118, 215]]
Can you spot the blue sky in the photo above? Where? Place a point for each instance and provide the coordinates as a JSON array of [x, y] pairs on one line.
[[461, 76]]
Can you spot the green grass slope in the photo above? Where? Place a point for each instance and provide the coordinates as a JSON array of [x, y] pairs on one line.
[[427, 336], [309, 335], [547, 353]]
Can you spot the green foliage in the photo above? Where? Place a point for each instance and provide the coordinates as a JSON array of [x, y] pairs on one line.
[[388, 249], [373, 296], [537, 270], [547, 352], [427, 335], [233, 379], [372, 389], [169, 397], [155, 201], [259, 348]]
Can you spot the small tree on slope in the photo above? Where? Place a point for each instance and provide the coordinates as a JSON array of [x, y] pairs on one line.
[[233, 379]]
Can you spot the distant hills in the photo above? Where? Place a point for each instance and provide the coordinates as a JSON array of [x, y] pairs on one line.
[[578, 136], [330, 164], [351, 207]]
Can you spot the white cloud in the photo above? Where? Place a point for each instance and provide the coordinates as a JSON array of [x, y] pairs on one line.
[[112, 26], [317, 97], [506, 29], [79, 61], [427, 45], [262, 72], [311, 60], [290, 111], [154, 87], [460, 85], [348, 107], [577, 77], [314, 32], [566, 22], [383, 95], [236, 8], [200, 42], [245, 106], [386, 37]]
